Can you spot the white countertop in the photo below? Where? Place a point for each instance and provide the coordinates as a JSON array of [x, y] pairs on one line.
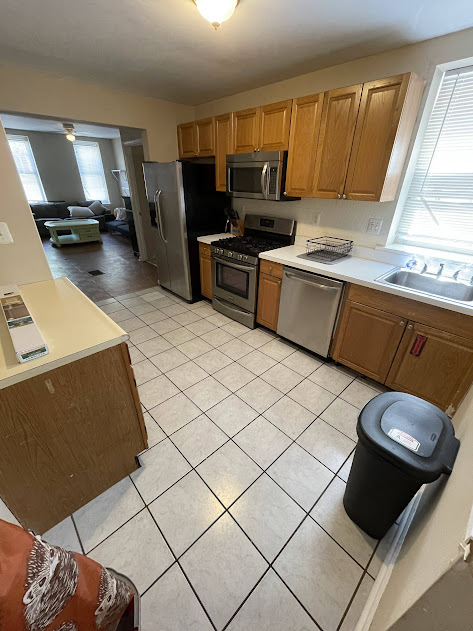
[[72, 326], [208, 238], [360, 272]]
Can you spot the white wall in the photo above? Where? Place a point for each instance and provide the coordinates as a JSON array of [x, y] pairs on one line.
[[22, 261], [432, 546], [57, 166], [341, 217]]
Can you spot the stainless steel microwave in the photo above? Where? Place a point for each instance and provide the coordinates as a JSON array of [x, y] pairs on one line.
[[258, 175]]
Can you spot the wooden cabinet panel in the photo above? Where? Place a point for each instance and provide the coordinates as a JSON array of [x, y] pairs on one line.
[[205, 270], [273, 269], [246, 130], [305, 129], [223, 146], [367, 339], [205, 137], [186, 140], [269, 294], [68, 435], [337, 129], [388, 110], [440, 371], [275, 121]]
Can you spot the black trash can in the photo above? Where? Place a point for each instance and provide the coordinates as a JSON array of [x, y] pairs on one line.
[[404, 442]]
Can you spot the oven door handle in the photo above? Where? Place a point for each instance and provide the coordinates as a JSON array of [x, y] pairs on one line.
[[264, 181], [244, 268]]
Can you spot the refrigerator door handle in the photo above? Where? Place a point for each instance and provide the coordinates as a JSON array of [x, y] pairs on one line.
[[159, 218]]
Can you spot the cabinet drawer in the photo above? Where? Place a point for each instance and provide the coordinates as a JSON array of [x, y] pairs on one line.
[[273, 269], [204, 249]]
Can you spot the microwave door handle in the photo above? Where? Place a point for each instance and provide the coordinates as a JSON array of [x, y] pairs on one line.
[[264, 188], [229, 190]]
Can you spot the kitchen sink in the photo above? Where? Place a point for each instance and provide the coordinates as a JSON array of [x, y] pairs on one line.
[[429, 284]]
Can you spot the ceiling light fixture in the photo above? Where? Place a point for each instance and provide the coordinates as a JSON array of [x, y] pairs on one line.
[[216, 11], [69, 128]]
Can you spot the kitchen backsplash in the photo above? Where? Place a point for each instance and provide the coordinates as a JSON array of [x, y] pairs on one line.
[[338, 218]]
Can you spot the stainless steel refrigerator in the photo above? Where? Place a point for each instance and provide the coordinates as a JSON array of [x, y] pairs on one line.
[[183, 205]]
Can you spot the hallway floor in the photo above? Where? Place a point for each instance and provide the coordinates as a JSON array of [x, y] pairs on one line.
[[235, 518], [122, 271]]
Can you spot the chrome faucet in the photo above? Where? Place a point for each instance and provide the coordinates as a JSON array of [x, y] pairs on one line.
[[440, 270], [455, 275], [424, 269]]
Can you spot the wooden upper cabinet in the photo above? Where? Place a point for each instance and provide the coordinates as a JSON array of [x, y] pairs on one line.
[[275, 121], [223, 146], [246, 130], [186, 140], [337, 129], [367, 339], [205, 137], [434, 365], [388, 111], [305, 128]]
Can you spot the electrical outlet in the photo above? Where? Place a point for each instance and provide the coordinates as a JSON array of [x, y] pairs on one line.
[[374, 226], [5, 234]]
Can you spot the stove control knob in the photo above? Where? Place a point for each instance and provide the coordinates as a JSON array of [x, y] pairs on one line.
[[240, 257], [230, 254]]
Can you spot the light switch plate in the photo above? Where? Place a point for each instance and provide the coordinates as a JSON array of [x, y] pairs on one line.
[[374, 226], [5, 234]]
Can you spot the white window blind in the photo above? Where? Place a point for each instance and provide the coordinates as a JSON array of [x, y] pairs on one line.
[[26, 167], [89, 162], [438, 211]]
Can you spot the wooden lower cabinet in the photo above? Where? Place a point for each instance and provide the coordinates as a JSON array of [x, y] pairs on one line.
[[434, 365], [269, 294], [368, 339], [205, 270], [68, 435], [379, 335]]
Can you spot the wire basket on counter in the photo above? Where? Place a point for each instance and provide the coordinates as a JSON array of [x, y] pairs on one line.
[[328, 249]]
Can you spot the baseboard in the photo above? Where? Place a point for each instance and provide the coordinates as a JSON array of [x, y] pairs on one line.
[[380, 584]]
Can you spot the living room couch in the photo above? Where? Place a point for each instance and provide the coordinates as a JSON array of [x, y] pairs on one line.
[[49, 211]]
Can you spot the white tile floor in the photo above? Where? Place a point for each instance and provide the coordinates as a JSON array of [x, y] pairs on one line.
[[235, 518]]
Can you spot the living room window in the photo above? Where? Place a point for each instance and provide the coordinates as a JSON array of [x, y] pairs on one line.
[[92, 175], [438, 211], [26, 167]]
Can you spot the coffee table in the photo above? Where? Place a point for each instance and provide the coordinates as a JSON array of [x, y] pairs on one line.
[[80, 231]]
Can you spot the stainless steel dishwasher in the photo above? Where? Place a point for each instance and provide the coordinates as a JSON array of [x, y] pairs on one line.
[[308, 309]]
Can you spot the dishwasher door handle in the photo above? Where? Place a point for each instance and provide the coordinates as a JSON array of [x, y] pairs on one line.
[[310, 282]]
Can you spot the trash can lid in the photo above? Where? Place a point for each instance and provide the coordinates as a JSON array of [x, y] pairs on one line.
[[416, 436]]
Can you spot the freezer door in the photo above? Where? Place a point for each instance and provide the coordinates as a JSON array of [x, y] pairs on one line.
[[171, 214], [151, 172]]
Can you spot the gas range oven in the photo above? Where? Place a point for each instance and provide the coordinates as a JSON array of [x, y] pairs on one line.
[[235, 265]]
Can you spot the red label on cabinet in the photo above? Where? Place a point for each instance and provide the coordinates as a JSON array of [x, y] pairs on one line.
[[418, 345]]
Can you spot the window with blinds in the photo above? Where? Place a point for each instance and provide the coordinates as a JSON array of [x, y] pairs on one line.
[[89, 162], [26, 167], [438, 211]]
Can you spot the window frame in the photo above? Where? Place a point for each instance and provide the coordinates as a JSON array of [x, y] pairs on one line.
[[409, 245], [26, 140], [89, 143]]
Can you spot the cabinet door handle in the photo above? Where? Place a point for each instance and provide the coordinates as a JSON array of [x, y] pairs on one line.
[[338, 195], [409, 326], [402, 323], [344, 196]]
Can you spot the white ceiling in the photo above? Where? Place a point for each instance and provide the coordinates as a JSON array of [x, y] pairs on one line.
[[164, 48], [28, 123]]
